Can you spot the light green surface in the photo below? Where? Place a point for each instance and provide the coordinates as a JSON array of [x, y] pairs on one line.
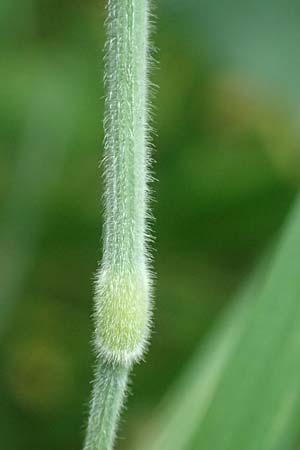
[[122, 285], [243, 390], [108, 397]]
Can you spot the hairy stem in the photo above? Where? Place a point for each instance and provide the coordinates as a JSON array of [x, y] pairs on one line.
[[108, 394], [123, 285], [125, 125]]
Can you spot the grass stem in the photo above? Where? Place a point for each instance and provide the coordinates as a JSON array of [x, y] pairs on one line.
[[123, 284]]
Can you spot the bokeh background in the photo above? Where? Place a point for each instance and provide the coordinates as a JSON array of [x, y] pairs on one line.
[[227, 160]]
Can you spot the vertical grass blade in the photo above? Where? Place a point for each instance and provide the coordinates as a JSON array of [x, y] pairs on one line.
[[260, 390], [244, 390], [188, 400]]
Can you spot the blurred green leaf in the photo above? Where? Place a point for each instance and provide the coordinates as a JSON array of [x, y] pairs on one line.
[[243, 390], [196, 387]]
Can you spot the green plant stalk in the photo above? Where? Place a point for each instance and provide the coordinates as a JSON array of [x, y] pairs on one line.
[[122, 288], [108, 396], [123, 283]]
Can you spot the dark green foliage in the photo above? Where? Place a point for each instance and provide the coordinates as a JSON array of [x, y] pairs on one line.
[[227, 169]]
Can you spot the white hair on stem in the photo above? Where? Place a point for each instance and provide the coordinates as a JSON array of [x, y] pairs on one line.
[[123, 283]]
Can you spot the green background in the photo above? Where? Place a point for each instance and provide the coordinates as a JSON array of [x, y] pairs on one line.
[[227, 164]]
